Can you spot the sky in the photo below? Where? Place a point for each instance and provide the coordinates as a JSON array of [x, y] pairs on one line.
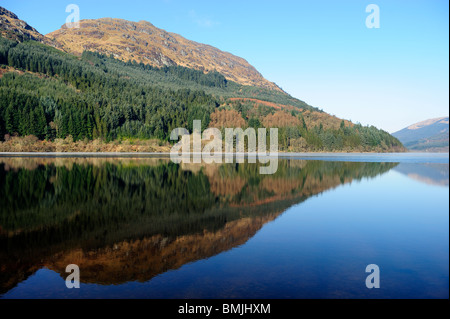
[[321, 51]]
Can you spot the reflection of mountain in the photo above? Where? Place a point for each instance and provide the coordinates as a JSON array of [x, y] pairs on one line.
[[132, 219], [429, 173], [143, 259]]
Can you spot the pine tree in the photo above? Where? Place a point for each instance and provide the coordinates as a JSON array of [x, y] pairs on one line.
[[41, 122], [9, 120], [89, 127]]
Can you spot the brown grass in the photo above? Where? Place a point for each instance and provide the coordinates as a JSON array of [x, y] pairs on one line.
[[33, 144], [143, 42]]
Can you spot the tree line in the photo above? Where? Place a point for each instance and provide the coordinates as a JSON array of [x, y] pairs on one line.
[[99, 97], [74, 97]]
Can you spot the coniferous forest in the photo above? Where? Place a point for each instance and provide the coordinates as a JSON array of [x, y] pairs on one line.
[[51, 95]]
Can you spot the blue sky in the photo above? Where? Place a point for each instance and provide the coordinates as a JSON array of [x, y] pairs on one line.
[[318, 51]]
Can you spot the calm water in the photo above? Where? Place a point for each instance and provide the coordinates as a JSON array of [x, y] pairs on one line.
[[147, 228]]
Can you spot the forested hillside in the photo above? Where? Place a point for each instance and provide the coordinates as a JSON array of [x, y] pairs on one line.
[[52, 95], [143, 42]]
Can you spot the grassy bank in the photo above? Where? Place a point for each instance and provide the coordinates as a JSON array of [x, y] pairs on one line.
[[17, 144], [33, 144]]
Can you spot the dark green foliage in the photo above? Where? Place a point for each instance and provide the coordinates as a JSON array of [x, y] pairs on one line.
[[96, 96], [357, 137], [254, 123], [91, 98], [5, 46]]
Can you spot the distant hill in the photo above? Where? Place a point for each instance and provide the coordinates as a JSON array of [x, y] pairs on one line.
[[427, 136]]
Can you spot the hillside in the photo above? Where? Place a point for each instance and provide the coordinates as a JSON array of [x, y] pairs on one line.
[[11, 27], [427, 136], [97, 102], [143, 42]]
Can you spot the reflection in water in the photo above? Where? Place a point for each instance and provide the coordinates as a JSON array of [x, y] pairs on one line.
[[428, 173], [125, 220]]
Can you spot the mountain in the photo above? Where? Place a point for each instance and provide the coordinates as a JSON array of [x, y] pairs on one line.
[[427, 136], [143, 42], [11, 27], [101, 100]]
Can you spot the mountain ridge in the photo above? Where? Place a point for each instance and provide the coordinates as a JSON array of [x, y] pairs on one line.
[[11, 27], [429, 135], [143, 42], [419, 125]]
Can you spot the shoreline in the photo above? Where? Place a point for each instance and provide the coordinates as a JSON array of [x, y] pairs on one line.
[[405, 157]]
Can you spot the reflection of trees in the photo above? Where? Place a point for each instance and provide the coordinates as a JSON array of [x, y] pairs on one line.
[[166, 215]]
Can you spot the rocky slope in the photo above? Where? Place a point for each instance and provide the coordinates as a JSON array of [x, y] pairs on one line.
[[11, 27], [138, 41], [143, 42]]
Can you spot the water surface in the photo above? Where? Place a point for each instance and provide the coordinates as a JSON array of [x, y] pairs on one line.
[[148, 228]]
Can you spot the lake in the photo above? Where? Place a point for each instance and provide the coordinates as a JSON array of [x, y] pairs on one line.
[[143, 227]]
